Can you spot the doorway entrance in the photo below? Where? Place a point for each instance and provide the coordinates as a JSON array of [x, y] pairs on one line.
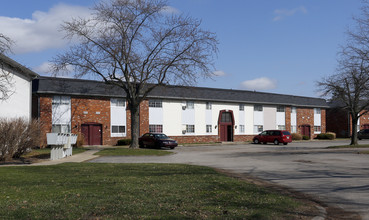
[[226, 123], [92, 133], [305, 130]]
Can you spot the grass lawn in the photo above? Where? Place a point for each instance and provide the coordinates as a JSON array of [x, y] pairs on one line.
[[135, 191], [351, 146], [44, 153], [119, 151]]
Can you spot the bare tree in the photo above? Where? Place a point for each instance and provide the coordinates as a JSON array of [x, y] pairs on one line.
[[350, 85], [138, 45], [6, 78]]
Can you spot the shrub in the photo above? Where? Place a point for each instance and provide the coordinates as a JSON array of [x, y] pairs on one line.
[[296, 136], [17, 136], [304, 137], [124, 142], [328, 135]]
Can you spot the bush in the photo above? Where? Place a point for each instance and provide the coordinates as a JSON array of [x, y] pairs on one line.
[[124, 142], [296, 136], [17, 136], [80, 140], [304, 137], [328, 135]]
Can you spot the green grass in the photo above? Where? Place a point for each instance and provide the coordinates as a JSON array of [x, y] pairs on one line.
[[351, 146], [119, 151], [135, 191], [44, 153]]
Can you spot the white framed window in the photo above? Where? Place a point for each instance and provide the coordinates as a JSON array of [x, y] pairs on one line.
[[208, 106], [117, 102], [190, 128], [209, 129], [258, 128], [293, 129], [258, 108], [280, 109], [118, 129], [317, 111], [317, 129], [242, 107], [60, 128], [156, 128], [155, 103], [281, 127], [190, 105], [242, 129], [61, 100]]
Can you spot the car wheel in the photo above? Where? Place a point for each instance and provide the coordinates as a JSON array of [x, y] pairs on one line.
[[285, 143], [172, 148], [359, 138], [256, 141], [276, 142], [264, 142]]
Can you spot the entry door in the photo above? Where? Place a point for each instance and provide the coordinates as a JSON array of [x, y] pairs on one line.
[[92, 134], [305, 130], [225, 124]]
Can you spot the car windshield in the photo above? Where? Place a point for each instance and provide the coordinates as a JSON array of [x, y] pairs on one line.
[[161, 136]]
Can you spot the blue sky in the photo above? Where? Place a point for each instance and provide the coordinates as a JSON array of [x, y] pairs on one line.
[[278, 46]]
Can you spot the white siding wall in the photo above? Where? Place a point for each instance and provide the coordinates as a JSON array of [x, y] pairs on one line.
[[241, 121], [200, 118], [249, 119], [217, 107], [118, 118], [156, 116], [317, 119], [19, 103], [281, 118], [172, 122], [269, 117], [293, 119], [61, 114]]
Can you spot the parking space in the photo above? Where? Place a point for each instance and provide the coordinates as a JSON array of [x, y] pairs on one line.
[[338, 177]]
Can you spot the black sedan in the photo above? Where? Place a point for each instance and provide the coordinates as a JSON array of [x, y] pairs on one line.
[[156, 140]]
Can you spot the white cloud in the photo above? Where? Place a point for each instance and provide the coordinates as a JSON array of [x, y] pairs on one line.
[[282, 13], [262, 83], [41, 32], [219, 73], [170, 10], [44, 68]]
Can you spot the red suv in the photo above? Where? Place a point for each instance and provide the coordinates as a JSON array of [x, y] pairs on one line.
[[273, 136]]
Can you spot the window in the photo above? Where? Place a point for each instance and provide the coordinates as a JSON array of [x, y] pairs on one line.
[[242, 128], [61, 100], [317, 129], [293, 110], [280, 108], [242, 107], [208, 129], [118, 102], [118, 129], [281, 127], [258, 128], [190, 105], [60, 128], [156, 128], [208, 106], [226, 117], [293, 129], [258, 108], [155, 103], [317, 111], [190, 128]]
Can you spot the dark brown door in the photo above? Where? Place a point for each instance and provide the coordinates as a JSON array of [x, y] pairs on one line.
[[226, 122], [92, 133], [305, 130], [366, 126]]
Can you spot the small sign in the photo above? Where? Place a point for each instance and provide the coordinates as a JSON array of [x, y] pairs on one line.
[[98, 113]]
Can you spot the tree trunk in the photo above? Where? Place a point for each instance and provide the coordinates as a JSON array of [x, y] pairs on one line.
[[135, 125], [354, 121]]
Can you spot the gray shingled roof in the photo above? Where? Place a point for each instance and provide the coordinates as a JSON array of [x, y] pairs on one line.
[[18, 67], [52, 85]]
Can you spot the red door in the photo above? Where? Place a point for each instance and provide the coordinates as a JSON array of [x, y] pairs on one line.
[[226, 122], [305, 130], [92, 133]]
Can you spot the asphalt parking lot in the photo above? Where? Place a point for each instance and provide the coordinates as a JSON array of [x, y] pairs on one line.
[[338, 177]]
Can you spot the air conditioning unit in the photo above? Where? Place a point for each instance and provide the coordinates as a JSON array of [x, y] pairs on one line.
[[184, 107], [183, 131]]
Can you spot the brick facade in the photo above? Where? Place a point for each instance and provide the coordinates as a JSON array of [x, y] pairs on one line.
[[97, 110]]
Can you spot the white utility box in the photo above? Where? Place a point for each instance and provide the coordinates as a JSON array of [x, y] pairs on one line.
[[61, 144]]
